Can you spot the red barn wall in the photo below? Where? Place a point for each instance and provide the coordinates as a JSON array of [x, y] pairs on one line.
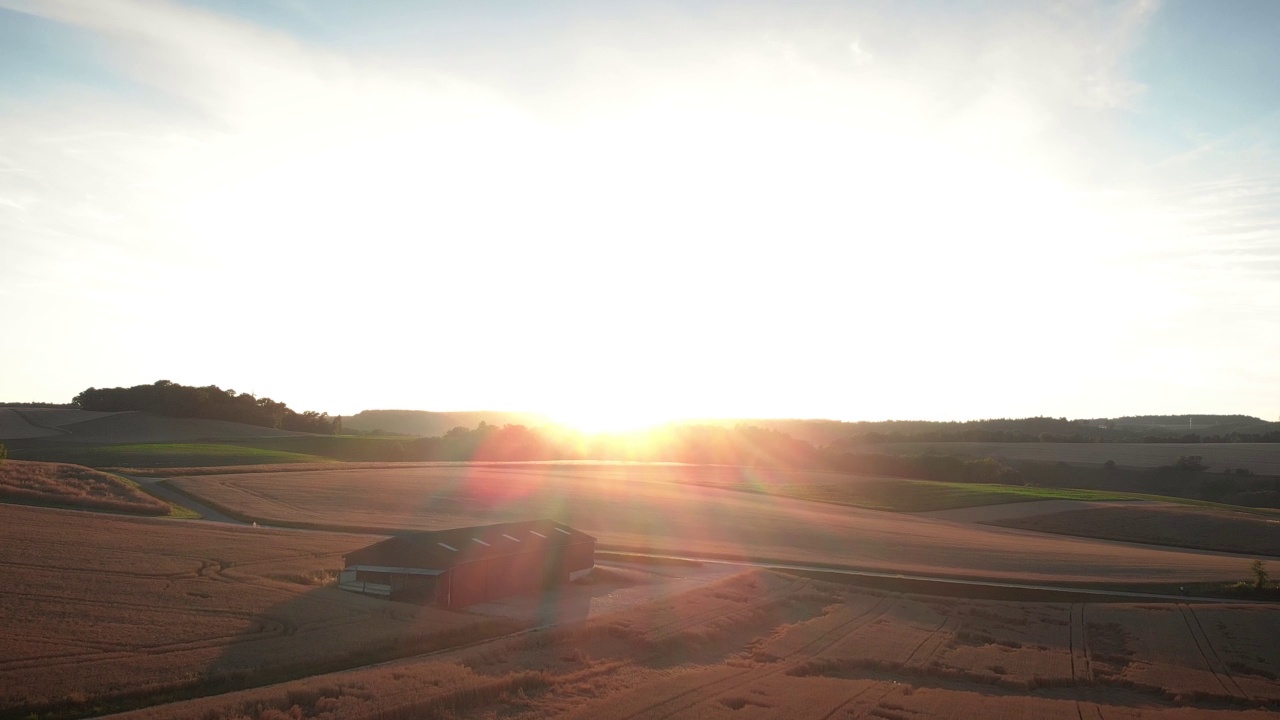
[[517, 574]]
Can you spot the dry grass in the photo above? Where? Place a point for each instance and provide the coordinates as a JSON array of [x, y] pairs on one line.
[[681, 510], [1163, 524], [106, 612], [765, 645], [61, 485]]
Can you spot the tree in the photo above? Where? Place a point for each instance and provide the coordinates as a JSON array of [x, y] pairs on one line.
[[4, 453], [1189, 463], [1260, 575]]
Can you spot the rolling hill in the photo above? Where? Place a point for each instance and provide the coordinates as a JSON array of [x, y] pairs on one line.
[[431, 424]]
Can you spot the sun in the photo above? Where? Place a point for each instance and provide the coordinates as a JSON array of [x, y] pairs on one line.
[[613, 420]]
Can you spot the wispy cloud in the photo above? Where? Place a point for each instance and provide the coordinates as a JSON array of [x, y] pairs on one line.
[[637, 172]]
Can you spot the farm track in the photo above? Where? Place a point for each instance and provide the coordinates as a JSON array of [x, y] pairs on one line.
[[934, 640], [849, 700], [932, 643], [680, 702], [35, 423], [1081, 662], [1210, 655], [1089, 711]]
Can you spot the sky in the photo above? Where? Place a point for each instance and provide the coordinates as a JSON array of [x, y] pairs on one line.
[[618, 213]]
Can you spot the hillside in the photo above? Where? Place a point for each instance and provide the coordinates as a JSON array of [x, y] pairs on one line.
[[73, 486], [22, 427], [432, 424], [22, 423]]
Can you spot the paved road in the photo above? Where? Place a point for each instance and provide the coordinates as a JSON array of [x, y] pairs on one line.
[[153, 486]]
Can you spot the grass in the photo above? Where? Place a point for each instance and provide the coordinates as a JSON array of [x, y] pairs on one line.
[[243, 451], [900, 495], [348, 448], [74, 486], [155, 455]]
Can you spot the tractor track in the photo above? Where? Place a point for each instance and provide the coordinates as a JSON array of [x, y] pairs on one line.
[[1211, 659], [720, 685]]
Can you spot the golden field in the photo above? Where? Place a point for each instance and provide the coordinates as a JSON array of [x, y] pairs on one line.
[[765, 645], [686, 510], [102, 611]]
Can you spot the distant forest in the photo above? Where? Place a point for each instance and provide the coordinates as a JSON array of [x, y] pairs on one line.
[[207, 403], [1137, 429], [702, 438]]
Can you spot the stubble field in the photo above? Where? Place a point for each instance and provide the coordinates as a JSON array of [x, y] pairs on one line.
[[766, 645], [677, 510], [102, 611]]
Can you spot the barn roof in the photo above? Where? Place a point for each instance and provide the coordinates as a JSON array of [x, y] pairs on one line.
[[443, 549]]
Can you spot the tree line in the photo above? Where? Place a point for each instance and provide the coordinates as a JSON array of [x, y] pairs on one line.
[[741, 445], [1145, 429], [208, 403]]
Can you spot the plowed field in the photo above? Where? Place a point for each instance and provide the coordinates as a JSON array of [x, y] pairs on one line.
[[1163, 524], [675, 510], [764, 645], [1260, 458]]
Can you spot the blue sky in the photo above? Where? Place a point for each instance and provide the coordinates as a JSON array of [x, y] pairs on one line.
[[619, 212]]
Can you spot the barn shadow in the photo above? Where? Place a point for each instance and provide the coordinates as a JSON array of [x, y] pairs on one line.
[[325, 629]]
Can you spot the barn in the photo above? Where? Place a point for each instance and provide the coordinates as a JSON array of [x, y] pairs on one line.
[[465, 566]]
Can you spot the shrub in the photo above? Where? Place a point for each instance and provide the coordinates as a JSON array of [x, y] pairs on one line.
[[1189, 463], [1260, 575]]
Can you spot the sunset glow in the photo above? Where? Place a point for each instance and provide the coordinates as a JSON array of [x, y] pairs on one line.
[[629, 215]]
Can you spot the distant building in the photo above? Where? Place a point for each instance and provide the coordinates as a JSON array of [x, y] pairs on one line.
[[464, 566]]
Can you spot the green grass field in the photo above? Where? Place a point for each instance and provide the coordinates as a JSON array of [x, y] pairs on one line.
[[167, 455], [348, 448], [899, 495]]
